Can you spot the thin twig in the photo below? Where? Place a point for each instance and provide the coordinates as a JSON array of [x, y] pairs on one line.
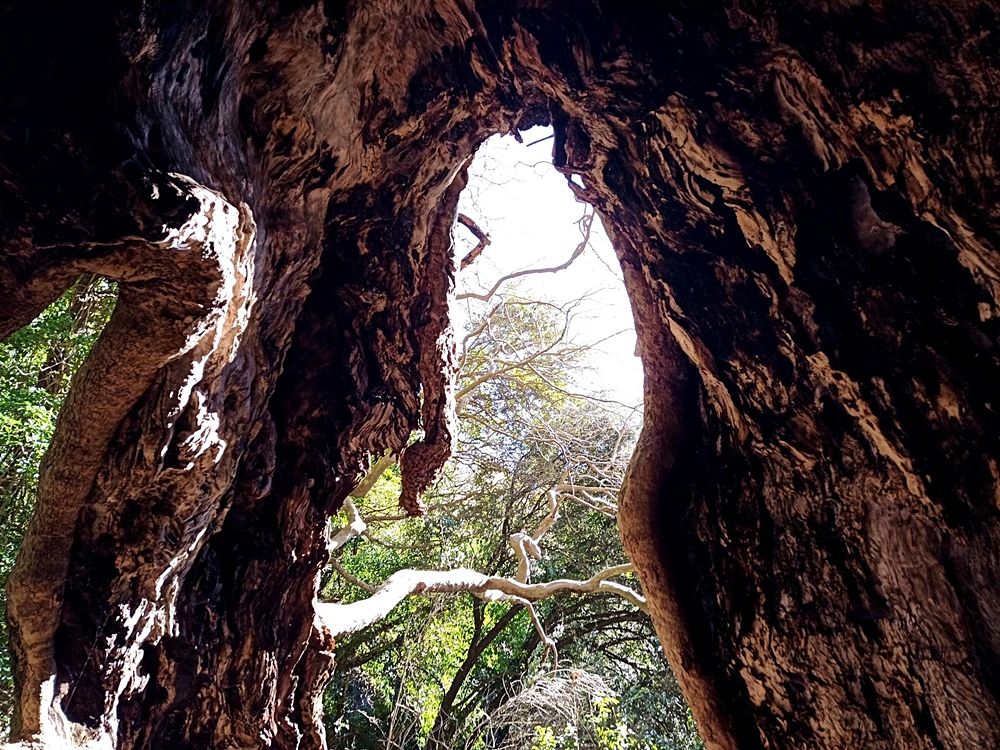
[[585, 224]]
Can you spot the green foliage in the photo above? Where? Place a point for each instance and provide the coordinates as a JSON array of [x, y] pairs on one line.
[[603, 729], [36, 366], [544, 739], [436, 674]]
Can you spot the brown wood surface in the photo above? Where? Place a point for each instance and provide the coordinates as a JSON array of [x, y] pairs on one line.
[[803, 197]]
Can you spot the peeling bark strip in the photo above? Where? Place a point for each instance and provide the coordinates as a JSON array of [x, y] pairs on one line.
[[421, 463], [804, 200]]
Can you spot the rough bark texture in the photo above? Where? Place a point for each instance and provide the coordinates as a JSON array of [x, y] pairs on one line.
[[804, 200]]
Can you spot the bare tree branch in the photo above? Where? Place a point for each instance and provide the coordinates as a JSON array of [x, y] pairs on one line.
[[351, 578], [356, 526], [375, 473], [585, 224], [549, 521], [342, 619], [483, 237], [463, 394]]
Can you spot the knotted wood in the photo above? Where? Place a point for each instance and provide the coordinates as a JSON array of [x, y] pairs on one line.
[[804, 201]]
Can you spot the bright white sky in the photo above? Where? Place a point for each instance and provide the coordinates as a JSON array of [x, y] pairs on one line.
[[523, 203]]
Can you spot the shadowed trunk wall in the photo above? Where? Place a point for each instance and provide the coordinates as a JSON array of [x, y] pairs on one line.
[[804, 203]]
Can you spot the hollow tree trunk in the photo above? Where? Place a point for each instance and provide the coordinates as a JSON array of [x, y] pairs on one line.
[[804, 203]]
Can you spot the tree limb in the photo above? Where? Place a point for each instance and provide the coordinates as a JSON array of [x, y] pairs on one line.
[[375, 473], [351, 578], [341, 619], [356, 526], [483, 237], [585, 223]]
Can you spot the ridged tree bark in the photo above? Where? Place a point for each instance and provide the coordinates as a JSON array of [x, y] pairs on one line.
[[803, 198]]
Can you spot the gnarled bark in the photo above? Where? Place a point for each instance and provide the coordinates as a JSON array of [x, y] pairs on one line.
[[804, 202]]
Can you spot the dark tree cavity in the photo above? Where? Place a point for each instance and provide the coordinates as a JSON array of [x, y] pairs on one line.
[[803, 197]]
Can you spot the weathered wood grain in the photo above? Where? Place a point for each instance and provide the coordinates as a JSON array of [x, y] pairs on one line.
[[803, 198]]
